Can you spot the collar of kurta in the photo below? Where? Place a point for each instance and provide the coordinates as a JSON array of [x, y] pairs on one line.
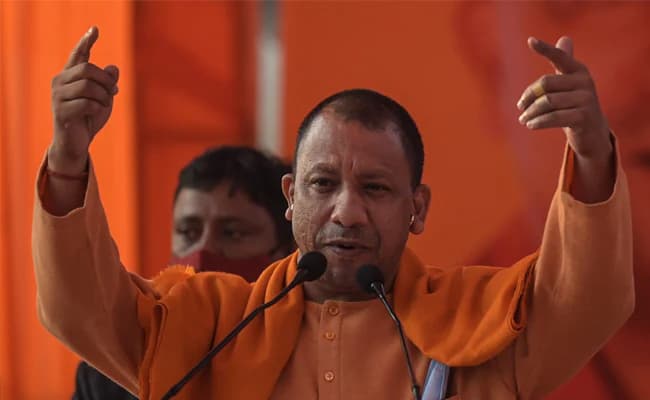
[[457, 316]]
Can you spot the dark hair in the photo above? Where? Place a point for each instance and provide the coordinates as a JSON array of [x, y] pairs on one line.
[[374, 111], [246, 169]]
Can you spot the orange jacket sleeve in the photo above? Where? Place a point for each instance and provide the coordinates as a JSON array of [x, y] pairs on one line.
[[85, 297]]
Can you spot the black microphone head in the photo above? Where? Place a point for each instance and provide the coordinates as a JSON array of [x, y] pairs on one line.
[[314, 263], [367, 275]]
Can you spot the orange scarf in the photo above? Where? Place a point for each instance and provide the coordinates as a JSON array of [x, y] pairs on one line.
[[460, 317]]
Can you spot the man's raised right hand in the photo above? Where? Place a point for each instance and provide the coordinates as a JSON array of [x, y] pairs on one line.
[[82, 101]]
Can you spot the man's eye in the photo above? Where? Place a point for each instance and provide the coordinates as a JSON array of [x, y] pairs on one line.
[[190, 235], [233, 234], [376, 187], [322, 182]]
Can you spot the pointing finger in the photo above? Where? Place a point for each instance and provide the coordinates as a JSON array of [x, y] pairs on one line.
[[81, 52], [561, 60]]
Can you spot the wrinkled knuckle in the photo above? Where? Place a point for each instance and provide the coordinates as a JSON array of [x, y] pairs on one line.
[[545, 82], [549, 100], [86, 85]]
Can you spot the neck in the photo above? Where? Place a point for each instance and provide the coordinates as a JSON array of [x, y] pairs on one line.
[[319, 292]]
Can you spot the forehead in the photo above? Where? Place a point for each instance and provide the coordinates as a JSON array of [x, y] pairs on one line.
[[220, 202], [340, 143]]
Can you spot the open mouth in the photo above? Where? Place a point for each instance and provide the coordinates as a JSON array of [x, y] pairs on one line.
[[346, 248]]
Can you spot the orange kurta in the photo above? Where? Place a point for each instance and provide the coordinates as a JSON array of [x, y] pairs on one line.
[[473, 318], [348, 350]]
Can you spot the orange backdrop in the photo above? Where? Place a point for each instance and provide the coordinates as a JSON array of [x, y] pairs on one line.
[[187, 83], [35, 41]]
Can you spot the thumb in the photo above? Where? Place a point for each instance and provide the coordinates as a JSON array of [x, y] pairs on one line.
[[114, 72], [565, 44]]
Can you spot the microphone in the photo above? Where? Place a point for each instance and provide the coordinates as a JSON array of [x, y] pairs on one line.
[[310, 267], [370, 279]]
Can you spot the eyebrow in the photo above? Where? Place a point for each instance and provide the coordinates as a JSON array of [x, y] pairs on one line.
[[323, 167], [328, 168], [187, 218]]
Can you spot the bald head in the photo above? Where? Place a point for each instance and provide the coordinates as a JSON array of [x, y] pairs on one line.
[[375, 112]]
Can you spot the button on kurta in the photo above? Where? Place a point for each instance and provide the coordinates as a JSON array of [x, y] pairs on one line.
[[333, 310], [329, 376], [330, 335]]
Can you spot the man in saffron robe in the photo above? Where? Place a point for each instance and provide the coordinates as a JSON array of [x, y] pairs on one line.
[[355, 195]]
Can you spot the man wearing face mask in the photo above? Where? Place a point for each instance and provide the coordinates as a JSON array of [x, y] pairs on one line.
[[228, 216], [355, 195], [229, 213]]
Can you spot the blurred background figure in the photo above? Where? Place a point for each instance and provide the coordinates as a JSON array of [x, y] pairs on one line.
[[229, 213], [228, 216], [195, 75]]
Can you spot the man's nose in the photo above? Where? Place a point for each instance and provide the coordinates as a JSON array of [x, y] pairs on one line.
[[210, 241], [349, 209]]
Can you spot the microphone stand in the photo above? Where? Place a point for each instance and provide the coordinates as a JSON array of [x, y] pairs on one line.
[[378, 287], [300, 276]]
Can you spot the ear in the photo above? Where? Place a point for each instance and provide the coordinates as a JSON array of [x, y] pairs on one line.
[[287, 190], [421, 200]]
